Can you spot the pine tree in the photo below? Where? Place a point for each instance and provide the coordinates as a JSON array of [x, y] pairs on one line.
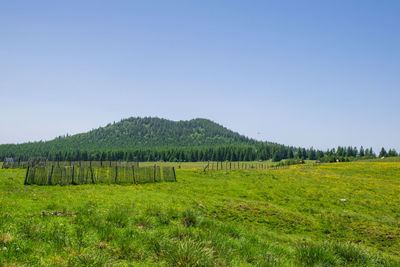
[[383, 153], [392, 153], [362, 152], [276, 156], [311, 154]]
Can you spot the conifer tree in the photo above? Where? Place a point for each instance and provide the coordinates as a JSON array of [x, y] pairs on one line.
[[383, 153], [362, 152]]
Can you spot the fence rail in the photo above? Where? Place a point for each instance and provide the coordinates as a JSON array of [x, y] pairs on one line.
[[75, 175]]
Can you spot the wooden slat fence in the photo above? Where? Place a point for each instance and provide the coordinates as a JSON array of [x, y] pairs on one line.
[[76, 175]]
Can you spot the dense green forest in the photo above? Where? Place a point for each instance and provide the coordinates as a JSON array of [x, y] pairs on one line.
[[152, 139]]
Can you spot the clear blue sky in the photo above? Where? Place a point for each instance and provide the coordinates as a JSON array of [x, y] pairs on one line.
[[304, 73]]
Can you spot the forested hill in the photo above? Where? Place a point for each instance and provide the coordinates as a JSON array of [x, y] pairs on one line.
[[136, 133], [152, 132], [150, 139]]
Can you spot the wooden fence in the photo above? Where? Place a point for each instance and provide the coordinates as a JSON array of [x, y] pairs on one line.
[[75, 175], [227, 165]]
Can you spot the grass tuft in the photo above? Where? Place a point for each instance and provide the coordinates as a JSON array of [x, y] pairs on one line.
[[316, 255], [188, 252], [190, 218]]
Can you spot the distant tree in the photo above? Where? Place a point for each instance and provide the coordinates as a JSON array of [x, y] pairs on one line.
[[320, 154], [312, 154], [355, 151], [303, 153], [371, 152], [276, 156], [290, 154], [383, 153], [392, 153], [362, 151], [340, 151]]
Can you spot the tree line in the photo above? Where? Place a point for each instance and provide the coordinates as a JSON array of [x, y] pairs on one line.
[[261, 151]]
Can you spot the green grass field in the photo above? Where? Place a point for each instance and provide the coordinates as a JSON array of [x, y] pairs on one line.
[[386, 159], [328, 215]]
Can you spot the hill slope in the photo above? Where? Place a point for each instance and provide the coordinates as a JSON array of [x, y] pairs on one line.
[[153, 132], [136, 133]]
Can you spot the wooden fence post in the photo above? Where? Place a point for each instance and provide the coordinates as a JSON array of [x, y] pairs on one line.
[[206, 167], [154, 178], [51, 175], [91, 173], [133, 173], [116, 173], [65, 174], [26, 176], [34, 172], [73, 175], [173, 170]]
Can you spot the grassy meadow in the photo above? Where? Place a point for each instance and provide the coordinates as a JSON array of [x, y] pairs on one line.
[[326, 215]]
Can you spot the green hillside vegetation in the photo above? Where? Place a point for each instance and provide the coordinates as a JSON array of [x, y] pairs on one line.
[[148, 132], [343, 214], [155, 139], [153, 132], [149, 139]]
